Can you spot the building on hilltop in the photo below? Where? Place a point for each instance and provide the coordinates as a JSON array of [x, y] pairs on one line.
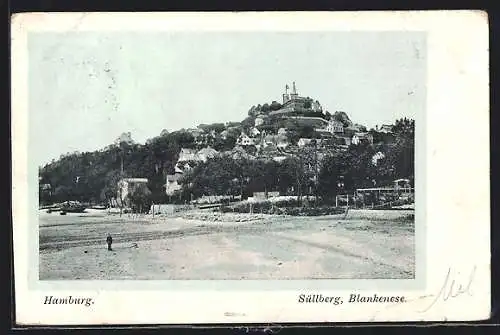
[[292, 102]]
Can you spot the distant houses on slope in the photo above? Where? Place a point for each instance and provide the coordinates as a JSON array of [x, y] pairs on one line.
[[188, 158], [256, 141]]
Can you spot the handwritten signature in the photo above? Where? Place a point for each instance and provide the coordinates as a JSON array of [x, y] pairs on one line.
[[451, 288]]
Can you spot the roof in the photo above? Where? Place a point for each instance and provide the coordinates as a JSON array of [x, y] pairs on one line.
[[207, 151], [187, 155], [136, 180], [173, 177], [239, 153], [400, 180], [363, 135], [276, 138]]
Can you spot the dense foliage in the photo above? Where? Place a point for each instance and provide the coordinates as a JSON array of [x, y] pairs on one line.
[[93, 176]]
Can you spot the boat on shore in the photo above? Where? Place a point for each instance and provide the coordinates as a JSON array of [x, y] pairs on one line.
[[67, 207]]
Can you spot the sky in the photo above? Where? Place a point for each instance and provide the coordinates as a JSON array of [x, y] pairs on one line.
[[86, 88]]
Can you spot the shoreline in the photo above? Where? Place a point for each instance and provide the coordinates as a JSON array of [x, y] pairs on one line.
[[272, 247]]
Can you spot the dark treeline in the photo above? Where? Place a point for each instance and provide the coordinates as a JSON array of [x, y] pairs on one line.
[[93, 176]]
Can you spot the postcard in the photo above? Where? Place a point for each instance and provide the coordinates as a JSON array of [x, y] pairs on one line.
[[252, 167]]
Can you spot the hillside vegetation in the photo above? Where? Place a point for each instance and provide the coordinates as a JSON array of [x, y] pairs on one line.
[[93, 176]]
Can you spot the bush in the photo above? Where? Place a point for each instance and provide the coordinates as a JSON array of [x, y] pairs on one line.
[[287, 207]]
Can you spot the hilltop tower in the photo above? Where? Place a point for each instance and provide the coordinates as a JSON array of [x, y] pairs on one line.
[[294, 94], [286, 96]]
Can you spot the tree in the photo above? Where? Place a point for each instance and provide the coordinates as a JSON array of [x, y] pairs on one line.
[[247, 123], [140, 198], [329, 176], [275, 106], [307, 132], [265, 108], [216, 127], [252, 111], [293, 172]]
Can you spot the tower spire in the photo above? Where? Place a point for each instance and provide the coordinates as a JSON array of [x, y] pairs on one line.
[[294, 89]]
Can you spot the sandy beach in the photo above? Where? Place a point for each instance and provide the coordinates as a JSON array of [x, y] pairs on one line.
[[365, 244]]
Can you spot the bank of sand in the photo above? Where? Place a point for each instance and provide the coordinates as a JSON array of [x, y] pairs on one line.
[[365, 244]]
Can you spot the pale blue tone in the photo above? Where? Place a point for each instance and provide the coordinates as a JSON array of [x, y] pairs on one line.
[[85, 89]]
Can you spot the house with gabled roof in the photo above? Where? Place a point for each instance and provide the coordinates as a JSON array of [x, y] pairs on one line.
[[245, 140], [360, 137]]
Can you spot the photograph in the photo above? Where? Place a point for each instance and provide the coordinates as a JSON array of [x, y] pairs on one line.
[[250, 167], [226, 155]]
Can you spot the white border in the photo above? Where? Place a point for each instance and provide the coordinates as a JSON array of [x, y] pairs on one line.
[[456, 164]]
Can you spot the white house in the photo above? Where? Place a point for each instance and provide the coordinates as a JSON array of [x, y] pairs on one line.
[[259, 121], [359, 137], [245, 140], [187, 155], [280, 141], [254, 132], [335, 126], [127, 185], [206, 153], [378, 156], [172, 185], [304, 141]]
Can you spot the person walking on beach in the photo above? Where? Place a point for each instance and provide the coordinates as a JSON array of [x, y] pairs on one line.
[[109, 240]]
